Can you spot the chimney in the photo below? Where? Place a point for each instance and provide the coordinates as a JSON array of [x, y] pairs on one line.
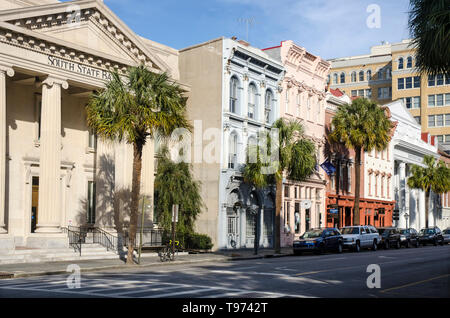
[[245, 43]]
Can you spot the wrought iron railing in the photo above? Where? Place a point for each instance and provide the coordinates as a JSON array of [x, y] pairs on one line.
[[151, 237], [76, 238], [105, 239]]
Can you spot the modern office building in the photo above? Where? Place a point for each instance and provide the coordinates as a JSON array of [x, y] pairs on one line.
[[389, 74]]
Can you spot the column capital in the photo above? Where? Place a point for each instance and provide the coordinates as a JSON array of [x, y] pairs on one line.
[[7, 69], [52, 80]]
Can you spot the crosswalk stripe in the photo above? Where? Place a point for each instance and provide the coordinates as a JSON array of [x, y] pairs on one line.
[[198, 291]]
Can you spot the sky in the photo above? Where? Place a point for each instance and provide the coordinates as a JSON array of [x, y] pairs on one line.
[[328, 28]]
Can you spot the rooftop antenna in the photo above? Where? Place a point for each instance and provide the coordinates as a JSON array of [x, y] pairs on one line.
[[249, 22]]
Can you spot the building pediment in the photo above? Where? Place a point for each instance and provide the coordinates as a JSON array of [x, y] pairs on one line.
[[92, 26]]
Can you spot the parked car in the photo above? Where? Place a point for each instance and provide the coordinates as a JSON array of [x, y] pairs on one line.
[[409, 237], [431, 235], [363, 236], [446, 235], [319, 241], [390, 236]]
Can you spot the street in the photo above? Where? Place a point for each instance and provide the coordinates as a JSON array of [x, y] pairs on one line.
[[413, 272]]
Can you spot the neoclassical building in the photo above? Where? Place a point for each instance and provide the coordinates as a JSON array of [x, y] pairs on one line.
[[53, 171], [409, 148], [235, 93], [303, 99]]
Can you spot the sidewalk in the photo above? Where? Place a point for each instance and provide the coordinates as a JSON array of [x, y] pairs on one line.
[[56, 268]]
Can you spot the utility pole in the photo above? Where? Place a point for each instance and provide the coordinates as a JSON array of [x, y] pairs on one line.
[[174, 221]]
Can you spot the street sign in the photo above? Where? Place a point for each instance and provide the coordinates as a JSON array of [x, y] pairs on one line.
[[175, 213], [333, 211]]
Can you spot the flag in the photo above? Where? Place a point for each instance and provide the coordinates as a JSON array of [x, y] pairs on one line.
[[328, 167]]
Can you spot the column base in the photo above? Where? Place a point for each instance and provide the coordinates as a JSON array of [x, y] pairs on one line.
[[48, 229], [6, 243], [40, 240]]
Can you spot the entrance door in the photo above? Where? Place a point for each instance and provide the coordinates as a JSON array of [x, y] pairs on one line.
[[232, 229], [348, 216], [34, 203]]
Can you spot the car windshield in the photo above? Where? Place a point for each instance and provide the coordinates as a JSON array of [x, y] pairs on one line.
[[350, 230], [312, 234], [426, 231], [381, 231], [404, 231], [446, 231]]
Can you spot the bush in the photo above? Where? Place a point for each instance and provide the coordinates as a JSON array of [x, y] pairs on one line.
[[198, 241]]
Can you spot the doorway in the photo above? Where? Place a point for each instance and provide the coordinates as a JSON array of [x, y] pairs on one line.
[[34, 203], [348, 216]]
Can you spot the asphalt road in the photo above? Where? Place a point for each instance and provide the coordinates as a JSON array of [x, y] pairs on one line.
[[408, 272]]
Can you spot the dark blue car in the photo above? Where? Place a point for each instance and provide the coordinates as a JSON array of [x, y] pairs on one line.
[[319, 241]]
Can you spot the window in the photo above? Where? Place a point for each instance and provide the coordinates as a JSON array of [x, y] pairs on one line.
[[342, 77], [388, 74], [447, 137], [335, 78], [439, 100], [251, 101], [431, 100], [234, 83], [369, 75], [416, 81], [447, 120], [369, 93], [440, 79], [431, 122], [409, 62], [401, 83], [416, 102], [354, 93], [232, 151], [361, 76], [384, 92], [408, 102], [439, 120], [286, 191], [400, 63], [92, 142], [91, 203], [431, 80], [361, 93], [440, 139], [268, 107], [447, 99], [447, 79], [353, 76], [370, 184], [408, 83]]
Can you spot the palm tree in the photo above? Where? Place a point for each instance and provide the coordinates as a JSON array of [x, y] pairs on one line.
[[296, 161], [361, 125], [429, 24], [435, 176], [133, 108]]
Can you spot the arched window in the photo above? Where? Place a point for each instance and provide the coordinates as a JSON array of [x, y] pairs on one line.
[[361, 76], [353, 76], [369, 75], [400, 63], [252, 101], [232, 151], [234, 97], [342, 77], [388, 74], [268, 107], [409, 62], [335, 78]]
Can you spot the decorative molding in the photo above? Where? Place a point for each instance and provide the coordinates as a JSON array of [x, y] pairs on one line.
[[52, 80], [7, 69]]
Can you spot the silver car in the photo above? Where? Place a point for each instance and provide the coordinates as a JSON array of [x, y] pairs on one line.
[[446, 235]]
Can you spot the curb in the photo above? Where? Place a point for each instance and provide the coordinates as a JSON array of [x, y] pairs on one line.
[[111, 267]]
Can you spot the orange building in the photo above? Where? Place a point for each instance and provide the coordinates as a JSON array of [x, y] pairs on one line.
[[376, 202]]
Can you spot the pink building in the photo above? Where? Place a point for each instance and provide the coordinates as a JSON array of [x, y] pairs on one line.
[[303, 98]]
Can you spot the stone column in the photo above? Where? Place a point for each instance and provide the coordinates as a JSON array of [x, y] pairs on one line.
[[421, 210], [4, 70], [50, 157], [402, 195]]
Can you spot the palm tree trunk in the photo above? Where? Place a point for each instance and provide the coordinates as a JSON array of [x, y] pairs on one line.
[[135, 191], [279, 195], [356, 218]]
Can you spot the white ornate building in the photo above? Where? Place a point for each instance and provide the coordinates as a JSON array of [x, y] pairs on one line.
[[235, 90], [409, 149]]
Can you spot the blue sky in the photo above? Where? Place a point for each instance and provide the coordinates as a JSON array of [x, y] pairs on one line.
[[328, 28]]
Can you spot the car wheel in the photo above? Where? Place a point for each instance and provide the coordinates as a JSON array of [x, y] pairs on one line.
[[442, 243], [374, 245], [397, 245], [357, 247], [340, 248]]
